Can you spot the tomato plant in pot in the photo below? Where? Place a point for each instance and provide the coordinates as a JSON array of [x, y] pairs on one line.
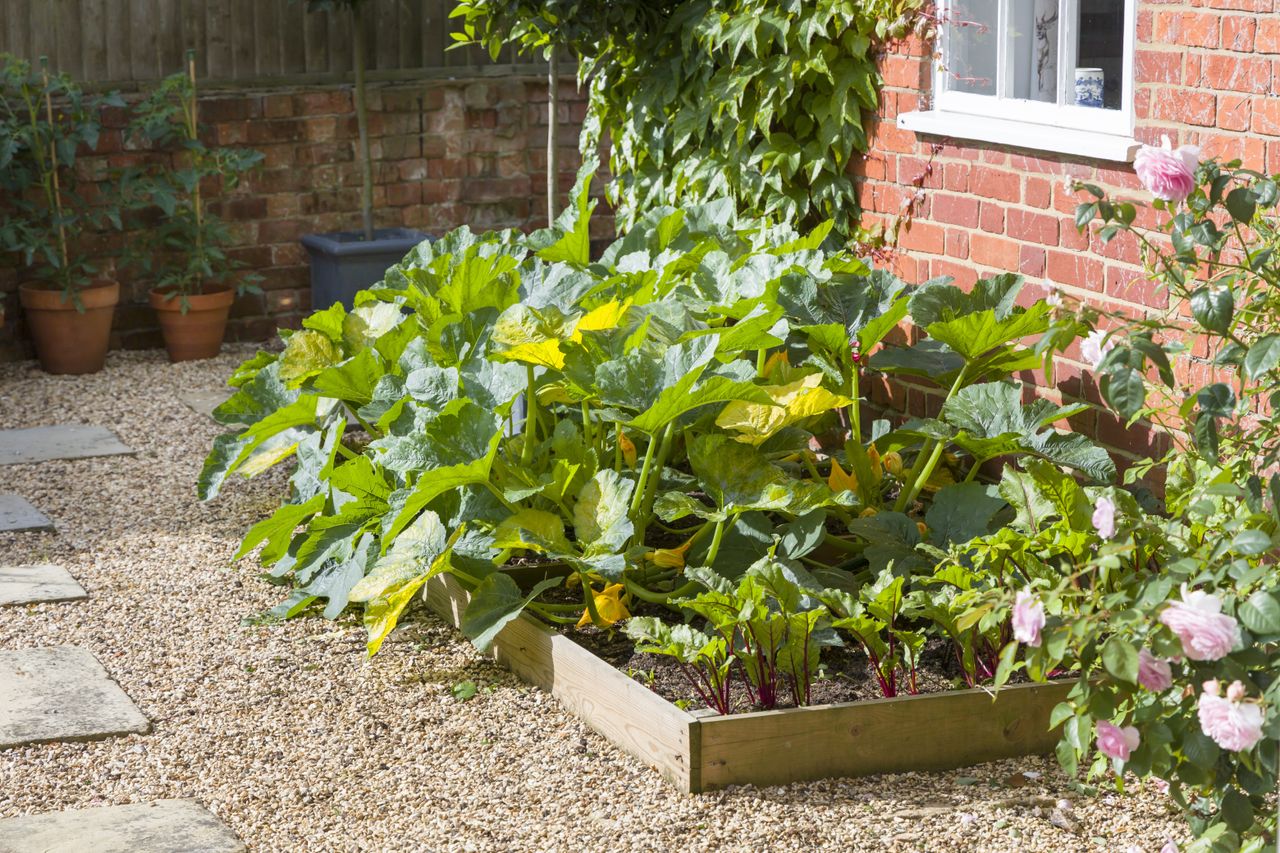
[[195, 281], [345, 262], [44, 219]]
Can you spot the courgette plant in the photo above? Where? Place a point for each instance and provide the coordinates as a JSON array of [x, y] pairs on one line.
[[691, 396]]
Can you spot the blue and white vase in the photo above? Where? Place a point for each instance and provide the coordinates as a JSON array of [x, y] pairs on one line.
[[1089, 82]]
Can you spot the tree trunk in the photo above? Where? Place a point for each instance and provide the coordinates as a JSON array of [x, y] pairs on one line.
[[362, 123], [553, 156]]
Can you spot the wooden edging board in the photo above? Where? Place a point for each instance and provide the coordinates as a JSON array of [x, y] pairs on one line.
[[705, 751]]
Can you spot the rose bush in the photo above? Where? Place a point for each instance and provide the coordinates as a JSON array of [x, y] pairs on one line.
[[1157, 607]]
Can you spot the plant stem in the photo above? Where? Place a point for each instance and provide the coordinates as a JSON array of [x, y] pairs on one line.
[[930, 453], [714, 548], [651, 488], [643, 483], [53, 171], [362, 122], [659, 597], [530, 418], [197, 204]]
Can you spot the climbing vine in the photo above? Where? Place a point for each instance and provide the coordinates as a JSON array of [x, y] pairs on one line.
[[760, 101]]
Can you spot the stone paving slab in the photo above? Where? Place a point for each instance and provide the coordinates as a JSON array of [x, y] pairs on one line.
[[204, 402], [33, 584], [61, 441], [16, 515], [61, 694], [165, 826]]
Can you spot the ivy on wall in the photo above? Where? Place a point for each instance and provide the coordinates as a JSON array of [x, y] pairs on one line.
[[761, 101]]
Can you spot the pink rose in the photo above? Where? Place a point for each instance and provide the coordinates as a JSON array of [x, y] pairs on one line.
[[1205, 631], [1095, 346], [1167, 173], [1153, 672], [1233, 724], [1104, 518], [1115, 742], [1028, 618]]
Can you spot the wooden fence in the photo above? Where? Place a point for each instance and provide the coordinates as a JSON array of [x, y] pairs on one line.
[[244, 42]]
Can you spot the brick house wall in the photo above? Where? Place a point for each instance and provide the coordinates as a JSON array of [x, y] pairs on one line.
[[447, 152], [1207, 72]]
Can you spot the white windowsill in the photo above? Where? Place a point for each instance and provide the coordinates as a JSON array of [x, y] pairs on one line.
[[1038, 137]]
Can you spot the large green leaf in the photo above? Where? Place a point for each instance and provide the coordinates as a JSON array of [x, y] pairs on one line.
[[434, 484], [993, 421], [1032, 510], [496, 601], [277, 529], [960, 512], [462, 432], [600, 519], [354, 380], [687, 395]]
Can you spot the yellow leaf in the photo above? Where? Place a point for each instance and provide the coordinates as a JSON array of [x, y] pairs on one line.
[[264, 458], [544, 353], [607, 316], [839, 481], [795, 401]]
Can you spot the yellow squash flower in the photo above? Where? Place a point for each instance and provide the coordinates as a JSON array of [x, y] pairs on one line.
[[839, 481], [628, 448], [669, 558], [609, 605], [892, 463]]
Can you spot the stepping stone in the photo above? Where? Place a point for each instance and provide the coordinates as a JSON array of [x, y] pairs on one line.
[[63, 694], [32, 584], [165, 826], [18, 515], [63, 441], [204, 402]]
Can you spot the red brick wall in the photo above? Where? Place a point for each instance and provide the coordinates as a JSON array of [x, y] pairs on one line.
[[446, 152], [1207, 73]]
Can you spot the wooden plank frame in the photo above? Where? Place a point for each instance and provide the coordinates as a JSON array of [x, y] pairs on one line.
[[704, 751]]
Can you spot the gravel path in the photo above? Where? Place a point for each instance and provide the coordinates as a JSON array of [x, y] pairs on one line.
[[297, 742]]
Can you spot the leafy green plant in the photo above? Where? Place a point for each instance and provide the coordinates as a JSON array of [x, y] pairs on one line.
[[758, 101], [1170, 615], [184, 252], [691, 402], [43, 215]]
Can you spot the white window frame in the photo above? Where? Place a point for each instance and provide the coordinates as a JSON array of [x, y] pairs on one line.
[[1061, 127]]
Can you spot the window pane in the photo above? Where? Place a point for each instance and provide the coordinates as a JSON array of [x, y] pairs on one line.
[[1099, 71], [1033, 50], [971, 46]]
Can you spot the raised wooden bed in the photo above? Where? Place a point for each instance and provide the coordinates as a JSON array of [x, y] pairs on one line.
[[703, 751]]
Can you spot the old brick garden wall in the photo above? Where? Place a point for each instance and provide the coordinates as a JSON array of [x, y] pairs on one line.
[[447, 152], [1207, 72]]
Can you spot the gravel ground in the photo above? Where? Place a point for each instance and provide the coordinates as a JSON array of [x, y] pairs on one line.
[[298, 742]]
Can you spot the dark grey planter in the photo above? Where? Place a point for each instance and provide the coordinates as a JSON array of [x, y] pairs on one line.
[[344, 263]]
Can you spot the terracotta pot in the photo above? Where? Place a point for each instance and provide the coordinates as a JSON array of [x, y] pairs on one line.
[[68, 340], [197, 333]]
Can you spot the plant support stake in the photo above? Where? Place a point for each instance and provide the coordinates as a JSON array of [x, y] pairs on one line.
[[553, 105]]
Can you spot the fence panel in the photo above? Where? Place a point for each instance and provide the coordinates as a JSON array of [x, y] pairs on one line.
[[236, 41]]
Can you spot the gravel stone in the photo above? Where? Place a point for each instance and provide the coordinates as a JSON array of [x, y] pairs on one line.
[[291, 737]]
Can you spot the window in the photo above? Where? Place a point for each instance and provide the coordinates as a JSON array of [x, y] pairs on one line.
[[1054, 75]]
